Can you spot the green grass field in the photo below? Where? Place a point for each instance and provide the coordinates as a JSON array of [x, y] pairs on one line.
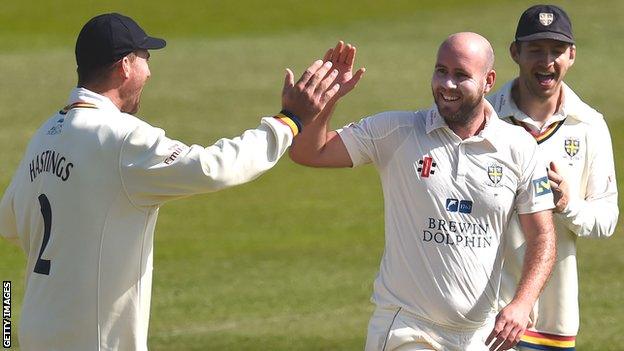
[[287, 262]]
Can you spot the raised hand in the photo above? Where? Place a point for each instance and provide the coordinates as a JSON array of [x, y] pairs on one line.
[[559, 186], [342, 58], [311, 93]]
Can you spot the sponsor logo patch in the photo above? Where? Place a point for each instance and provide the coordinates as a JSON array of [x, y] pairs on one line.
[[461, 206], [542, 186], [426, 166]]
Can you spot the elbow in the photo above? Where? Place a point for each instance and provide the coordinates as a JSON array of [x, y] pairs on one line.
[[299, 157]]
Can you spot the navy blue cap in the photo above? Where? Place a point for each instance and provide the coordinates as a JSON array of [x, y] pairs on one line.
[[109, 37], [545, 22]]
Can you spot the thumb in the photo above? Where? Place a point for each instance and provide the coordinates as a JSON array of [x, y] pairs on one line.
[[358, 75], [289, 80], [350, 85]]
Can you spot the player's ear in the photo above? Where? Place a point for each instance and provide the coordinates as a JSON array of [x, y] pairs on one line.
[[514, 50], [572, 54], [490, 80], [125, 67]]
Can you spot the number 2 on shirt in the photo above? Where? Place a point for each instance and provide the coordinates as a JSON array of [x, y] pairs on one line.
[[43, 266]]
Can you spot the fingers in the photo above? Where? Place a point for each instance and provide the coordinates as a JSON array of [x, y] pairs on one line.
[[326, 82], [318, 76], [328, 95], [351, 56], [328, 55], [505, 334], [344, 53], [336, 51], [496, 339], [309, 72], [554, 174]]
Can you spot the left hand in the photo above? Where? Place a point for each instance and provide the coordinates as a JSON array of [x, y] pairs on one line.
[[559, 187], [511, 322]]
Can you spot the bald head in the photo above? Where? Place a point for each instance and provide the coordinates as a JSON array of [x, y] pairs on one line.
[[472, 47], [462, 76]]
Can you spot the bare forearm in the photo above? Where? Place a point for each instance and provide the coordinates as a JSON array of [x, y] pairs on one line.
[[317, 146], [538, 263]]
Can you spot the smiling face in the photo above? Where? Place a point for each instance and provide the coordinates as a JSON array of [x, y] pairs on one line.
[[462, 76], [543, 65]]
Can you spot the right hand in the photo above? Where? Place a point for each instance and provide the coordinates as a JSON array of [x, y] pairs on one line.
[[311, 93], [342, 58], [511, 323]]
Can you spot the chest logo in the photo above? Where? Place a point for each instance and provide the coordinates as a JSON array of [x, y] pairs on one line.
[[546, 18], [495, 173], [426, 166], [456, 205], [572, 146]]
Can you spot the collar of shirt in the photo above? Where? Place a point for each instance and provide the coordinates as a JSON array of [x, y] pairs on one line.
[[572, 107], [86, 95], [435, 121]]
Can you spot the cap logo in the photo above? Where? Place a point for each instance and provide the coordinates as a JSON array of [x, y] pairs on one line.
[[546, 18]]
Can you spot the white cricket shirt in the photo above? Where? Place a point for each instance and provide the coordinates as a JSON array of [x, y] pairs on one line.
[[577, 140], [447, 202], [84, 203]]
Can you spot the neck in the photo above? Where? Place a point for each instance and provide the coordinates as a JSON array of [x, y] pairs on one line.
[[536, 107], [111, 93], [472, 125]]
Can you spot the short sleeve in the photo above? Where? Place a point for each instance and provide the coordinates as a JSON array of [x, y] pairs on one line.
[[376, 138], [533, 193]]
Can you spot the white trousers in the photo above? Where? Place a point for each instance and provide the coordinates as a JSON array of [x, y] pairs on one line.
[[399, 330]]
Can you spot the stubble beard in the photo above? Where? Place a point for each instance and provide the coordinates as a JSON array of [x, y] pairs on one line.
[[466, 113]]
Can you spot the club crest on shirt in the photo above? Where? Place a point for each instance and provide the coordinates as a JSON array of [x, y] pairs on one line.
[[546, 18], [571, 146], [495, 173]]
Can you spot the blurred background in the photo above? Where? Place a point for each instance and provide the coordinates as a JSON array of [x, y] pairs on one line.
[[287, 262]]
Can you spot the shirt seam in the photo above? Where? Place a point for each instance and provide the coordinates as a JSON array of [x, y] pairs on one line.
[[121, 178]]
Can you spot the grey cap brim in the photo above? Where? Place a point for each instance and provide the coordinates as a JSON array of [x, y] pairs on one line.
[[547, 35]]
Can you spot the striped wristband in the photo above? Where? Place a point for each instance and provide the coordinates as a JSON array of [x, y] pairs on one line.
[[289, 119]]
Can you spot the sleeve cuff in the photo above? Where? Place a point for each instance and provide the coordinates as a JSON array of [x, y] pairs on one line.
[[290, 120], [351, 145]]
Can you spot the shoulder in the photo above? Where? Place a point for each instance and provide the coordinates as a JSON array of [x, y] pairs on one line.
[[579, 110], [383, 124], [500, 99], [394, 118], [512, 137]]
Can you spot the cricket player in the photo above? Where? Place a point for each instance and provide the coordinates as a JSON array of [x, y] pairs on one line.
[[452, 177], [575, 143], [84, 200]]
